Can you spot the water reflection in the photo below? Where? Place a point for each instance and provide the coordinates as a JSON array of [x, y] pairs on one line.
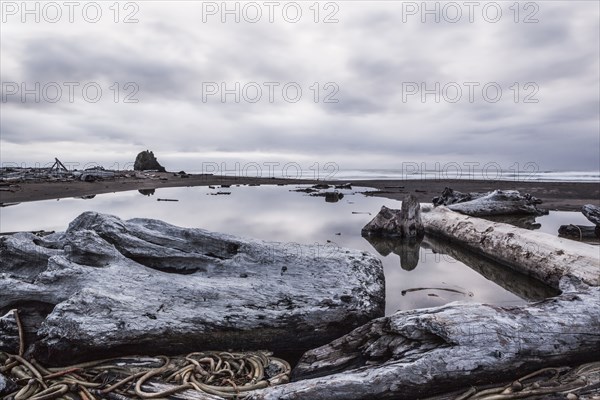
[[521, 221], [407, 250], [275, 213], [147, 192]]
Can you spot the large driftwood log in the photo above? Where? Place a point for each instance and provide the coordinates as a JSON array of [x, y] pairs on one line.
[[120, 287], [540, 255], [498, 202], [416, 354]]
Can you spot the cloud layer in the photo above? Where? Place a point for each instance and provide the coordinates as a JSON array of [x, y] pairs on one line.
[[378, 87]]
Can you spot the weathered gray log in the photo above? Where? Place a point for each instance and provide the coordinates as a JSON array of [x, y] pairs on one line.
[[403, 223], [138, 286], [418, 353], [498, 202], [451, 196], [579, 232], [540, 255], [592, 213]]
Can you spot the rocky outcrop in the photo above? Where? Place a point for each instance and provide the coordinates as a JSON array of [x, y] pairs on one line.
[[498, 202], [147, 161], [117, 287]]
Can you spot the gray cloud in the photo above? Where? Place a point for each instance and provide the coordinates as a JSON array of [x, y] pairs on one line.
[[371, 54]]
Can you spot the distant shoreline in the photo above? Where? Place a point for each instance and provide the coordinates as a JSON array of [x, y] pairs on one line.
[[562, 196]]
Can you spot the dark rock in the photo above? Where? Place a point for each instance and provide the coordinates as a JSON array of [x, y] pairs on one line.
[[147, 161], [207, 290]]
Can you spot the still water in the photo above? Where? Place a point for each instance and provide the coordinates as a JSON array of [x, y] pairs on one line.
[[442, 274]]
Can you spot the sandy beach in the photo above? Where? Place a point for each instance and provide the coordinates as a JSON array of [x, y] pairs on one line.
[[560, 196]]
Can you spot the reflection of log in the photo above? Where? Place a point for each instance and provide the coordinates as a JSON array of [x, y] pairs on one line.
[[520, 221], [521, 285], [540, 255], [498, 202], [408, 250], [579, 232], [418, 353]]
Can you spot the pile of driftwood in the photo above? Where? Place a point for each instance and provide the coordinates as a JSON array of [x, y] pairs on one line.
[[286, 300]]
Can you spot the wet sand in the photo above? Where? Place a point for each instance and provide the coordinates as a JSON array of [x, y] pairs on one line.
[[561, 196]]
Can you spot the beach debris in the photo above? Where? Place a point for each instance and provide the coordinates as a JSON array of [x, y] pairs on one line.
[[9, 204], [441, 349], [344, 186], [119, 287], [145, 161], [497, 202], [167, 200], [463, 292], [580, 232], [403, 223], [220, 193], [320, 186], [361, 212], [58, 166], [592, 213], [213, 374]]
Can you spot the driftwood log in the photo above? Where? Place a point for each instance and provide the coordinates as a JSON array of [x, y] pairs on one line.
[[416, 354], [579, 232], [540, 255], [114, 287], [592, 213], [498, 202]]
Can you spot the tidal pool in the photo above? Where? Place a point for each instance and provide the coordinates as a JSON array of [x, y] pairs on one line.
[[430, 273]]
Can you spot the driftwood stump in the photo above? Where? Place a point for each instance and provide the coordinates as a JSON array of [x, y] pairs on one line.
[[403, 223]]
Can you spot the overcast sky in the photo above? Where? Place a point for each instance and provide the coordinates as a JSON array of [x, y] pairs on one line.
[[361, 68]]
